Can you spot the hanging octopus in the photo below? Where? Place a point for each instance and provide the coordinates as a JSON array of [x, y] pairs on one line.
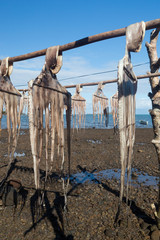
[[13, 102], [114, 108], [25, 101], [1, 108], [78, 108], [47, 99], [100, 99], [127, 87]]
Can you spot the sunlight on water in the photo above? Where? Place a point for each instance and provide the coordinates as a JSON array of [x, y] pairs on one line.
[[94, 141], [137, 177], [88, 122], [16, 155]]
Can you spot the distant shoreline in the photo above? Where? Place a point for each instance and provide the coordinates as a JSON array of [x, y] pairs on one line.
[[89, 123]]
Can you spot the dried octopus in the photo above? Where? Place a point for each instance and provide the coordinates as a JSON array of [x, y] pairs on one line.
[[127, 87], [47, 97], [99, 100], [25, 102], [114, 109], [12, 100], [78, 108]]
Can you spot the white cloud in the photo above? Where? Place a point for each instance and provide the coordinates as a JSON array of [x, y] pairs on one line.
[[23, 76], [143, 103], [31, 64]]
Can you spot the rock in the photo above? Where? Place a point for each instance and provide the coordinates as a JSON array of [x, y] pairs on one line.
[[134, 175], [120, 235], [153, 228], [155, 235], [144, 225], [147, 231], [109, 233], [140, 151], [1, 204]]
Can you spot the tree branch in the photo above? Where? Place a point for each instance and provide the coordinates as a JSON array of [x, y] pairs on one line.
[[154, 61], [155, 98]]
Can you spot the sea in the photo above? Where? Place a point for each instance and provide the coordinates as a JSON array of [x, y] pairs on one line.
[[89, 123]]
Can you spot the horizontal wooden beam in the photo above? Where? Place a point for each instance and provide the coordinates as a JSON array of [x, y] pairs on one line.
[[84, 41], [104, 82], [113, 80], [91, 84]]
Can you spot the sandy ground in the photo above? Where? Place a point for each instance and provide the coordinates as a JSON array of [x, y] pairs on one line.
[[92, 201]]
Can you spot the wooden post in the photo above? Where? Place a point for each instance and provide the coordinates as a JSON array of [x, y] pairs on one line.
[[155, 98]]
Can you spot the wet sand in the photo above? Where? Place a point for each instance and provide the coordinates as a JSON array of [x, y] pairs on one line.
[[92, 198]]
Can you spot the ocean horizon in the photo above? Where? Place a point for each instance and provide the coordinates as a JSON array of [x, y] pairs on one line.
[[89, 123]]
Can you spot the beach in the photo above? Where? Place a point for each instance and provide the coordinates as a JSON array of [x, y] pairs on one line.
[[93, 193]]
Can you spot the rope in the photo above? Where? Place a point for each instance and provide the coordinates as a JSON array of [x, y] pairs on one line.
[[1, 90], [100, 97], [53, 89], [97, 73], [78, 100]]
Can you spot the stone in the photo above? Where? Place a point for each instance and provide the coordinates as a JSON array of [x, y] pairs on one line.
[[109, 232], [144, 225], [155, 235], [153, 228], [140, 151]]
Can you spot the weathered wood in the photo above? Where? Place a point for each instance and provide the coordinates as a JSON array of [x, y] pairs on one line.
[[155, 98], [92, 83], [84, 41], [104, 82], [112, 81]]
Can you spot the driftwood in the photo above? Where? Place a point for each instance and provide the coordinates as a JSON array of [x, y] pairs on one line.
[[78, 108], [127, 87], [155, 98], [100, 105]]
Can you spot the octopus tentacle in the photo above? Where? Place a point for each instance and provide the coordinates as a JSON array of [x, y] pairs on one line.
[[78, 108], [127, 87], [114, 109], [1, 107], [53, 132], [10, 97], [100, 104], [47, 135], [47, 96], [33, 129]]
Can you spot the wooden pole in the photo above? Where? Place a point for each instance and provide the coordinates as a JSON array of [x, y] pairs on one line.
[[84, 41], [91, 84], [113, 80], [104, 82]]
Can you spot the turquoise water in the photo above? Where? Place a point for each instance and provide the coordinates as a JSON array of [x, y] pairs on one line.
[[88, 123]]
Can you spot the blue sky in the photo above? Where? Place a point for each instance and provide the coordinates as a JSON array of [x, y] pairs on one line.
[[27, 26]]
